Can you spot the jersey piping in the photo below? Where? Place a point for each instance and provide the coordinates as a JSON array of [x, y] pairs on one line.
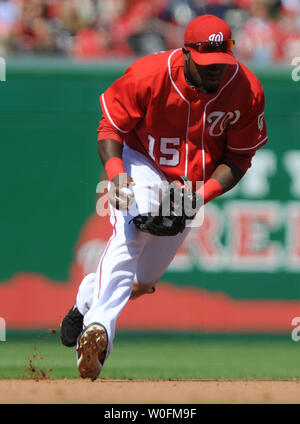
[[109, 117], [204, 113], [248, 148], [189, 113]]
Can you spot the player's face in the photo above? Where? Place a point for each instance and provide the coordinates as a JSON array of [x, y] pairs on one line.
[[206, 77]]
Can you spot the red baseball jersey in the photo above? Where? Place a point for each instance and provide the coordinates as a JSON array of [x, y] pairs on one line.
[[184, 132]]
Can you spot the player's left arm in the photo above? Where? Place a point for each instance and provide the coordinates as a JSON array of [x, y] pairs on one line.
[[243, 140]]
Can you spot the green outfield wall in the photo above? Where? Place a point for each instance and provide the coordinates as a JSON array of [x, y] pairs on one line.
[[249, 248]]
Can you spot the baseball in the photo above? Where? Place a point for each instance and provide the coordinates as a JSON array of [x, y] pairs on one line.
[[126, 192]]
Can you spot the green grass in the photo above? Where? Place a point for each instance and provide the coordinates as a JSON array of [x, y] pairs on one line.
[[166, 356]]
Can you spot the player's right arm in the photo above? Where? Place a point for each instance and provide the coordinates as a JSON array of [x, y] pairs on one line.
[[124, 105], [122, 110]]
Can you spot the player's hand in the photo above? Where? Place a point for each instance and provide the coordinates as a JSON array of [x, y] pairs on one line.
[[119, 194]]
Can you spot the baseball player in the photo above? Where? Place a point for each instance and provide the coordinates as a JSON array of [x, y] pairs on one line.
[[189, 115]]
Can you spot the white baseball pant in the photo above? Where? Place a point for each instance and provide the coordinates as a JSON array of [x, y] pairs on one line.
[[129, 252]]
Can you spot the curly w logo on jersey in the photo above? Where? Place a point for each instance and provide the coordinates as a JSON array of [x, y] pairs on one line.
[[219, 121]]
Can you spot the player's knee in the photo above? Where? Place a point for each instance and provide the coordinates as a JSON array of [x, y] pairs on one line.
[[140, 288]]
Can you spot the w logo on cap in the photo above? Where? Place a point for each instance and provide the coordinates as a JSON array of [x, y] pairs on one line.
[[216, 37]]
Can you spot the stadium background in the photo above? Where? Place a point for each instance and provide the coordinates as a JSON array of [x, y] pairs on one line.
[[239, 272]]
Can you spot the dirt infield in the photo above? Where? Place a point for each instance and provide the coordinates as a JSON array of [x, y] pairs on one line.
[[131, 392]]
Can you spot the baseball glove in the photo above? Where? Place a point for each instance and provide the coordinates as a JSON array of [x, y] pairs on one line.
[[178, 205]]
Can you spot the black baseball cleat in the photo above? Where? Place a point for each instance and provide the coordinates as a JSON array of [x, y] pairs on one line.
[[91, 351], [71, 327]]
